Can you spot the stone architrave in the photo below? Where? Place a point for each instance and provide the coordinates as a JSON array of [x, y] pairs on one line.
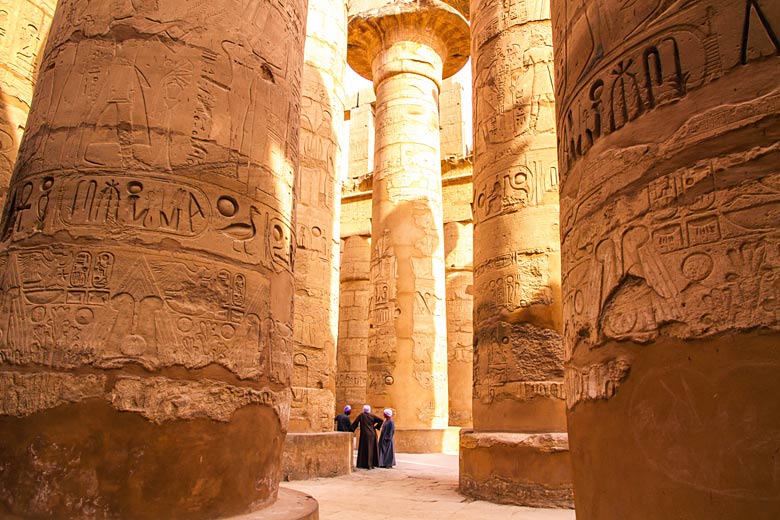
[[669, 156], [458, 253], [24, 25], [317, 222], [406, 49], [353, 322], [146, 263], [519, 408]]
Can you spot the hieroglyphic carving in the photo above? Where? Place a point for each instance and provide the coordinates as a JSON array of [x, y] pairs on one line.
[[150, 230], [518, 352], [311, 409], [669, 215], [151, 208], [316, 271], [517, 362], [518, 348], [656, 267], [594, 382], [123, 93], [64, 307], [639, 63], [515, 189], [458, 247]]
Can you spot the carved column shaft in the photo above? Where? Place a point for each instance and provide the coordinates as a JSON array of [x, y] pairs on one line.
[[459, 247], [518, 349], [148, 224], [668, 144], [407, 340], [353, 322], [318, 208], [407, 363]]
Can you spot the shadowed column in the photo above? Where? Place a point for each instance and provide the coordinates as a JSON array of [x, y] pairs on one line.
[[146, 260], [406, 49], [668, 133]]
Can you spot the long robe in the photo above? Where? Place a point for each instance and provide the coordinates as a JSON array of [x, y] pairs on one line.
[[343, 424], [368, 454], [387, 445]]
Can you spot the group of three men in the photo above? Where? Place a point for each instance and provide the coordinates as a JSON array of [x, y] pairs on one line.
[[370, 453]]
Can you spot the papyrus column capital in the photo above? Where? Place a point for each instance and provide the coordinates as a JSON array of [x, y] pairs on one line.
[[426, 37]]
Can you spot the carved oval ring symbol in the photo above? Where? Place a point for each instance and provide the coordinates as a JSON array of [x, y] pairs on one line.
[[84, 316], [134, 187], [697, 266], [227, 206], [389, 380]]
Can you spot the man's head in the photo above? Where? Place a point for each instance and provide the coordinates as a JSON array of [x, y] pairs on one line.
[[347, 409], [388, 413], [366, 408]]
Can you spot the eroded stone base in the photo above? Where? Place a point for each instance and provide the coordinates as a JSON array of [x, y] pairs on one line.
[[88, 460], [514, 468], [443, 440], [313, 455], [291, 505]]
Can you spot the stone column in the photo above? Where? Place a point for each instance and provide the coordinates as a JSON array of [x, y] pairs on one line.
[[353, 322], [146, 261], [518, 451], [312, 448], [458, 249], [406, 49], [670, 188], [24, 25], [319, 199]]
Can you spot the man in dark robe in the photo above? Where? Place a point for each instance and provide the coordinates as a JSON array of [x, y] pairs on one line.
[[387, 442], [368, 454], [343, 424]]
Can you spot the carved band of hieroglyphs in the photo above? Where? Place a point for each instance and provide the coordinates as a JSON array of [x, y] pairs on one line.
[[511, 281], [677, 59], [152, 207], [513, 189], [595, 382], [659, 267], [518, 362], [65, 307], [493, 18]]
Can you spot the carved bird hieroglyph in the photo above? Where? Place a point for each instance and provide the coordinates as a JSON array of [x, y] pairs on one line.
[[242, 232]]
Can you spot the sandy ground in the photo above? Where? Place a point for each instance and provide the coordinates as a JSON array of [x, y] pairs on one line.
[[420, 487]]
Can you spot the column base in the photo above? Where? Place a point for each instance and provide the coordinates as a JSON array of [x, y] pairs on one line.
[[290, 505], [426, 440], [531, 470], [314, 455]]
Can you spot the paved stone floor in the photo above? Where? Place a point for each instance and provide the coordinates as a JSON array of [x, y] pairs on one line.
[[420, 487]]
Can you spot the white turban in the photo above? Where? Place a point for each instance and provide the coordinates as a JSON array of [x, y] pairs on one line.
[[388, 412], [366, 408]]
